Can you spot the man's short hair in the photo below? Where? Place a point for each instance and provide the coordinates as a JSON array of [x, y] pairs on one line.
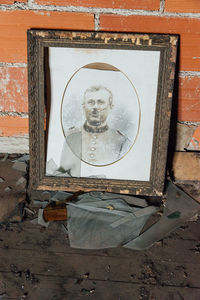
[[97, 88]]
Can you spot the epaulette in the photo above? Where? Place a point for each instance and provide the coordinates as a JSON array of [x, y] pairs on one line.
[[120, 132], [72, 130]]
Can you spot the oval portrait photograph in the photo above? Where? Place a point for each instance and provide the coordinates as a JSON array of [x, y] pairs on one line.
[[100, 114]]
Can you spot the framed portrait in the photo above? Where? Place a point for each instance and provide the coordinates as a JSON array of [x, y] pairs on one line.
[[99, 110]]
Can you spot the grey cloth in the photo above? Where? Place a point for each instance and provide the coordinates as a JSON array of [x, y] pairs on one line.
[[94, 223]]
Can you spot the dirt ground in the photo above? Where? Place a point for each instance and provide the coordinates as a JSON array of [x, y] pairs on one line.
[[37, 263]]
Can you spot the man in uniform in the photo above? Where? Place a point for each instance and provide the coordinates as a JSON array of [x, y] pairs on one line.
[[95, 143]]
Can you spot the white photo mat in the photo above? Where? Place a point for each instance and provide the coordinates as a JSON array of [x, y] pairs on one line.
[[134, 91]]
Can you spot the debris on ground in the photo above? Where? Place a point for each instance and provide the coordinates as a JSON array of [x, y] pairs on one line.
[[179, 207], [87, 292], [55, 211], [13, 183], [93, 220], [97, 220]]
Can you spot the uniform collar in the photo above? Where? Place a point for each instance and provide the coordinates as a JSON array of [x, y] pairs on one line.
[[96, 129]]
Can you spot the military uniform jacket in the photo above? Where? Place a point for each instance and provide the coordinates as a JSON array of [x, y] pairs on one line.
[[98, 148]]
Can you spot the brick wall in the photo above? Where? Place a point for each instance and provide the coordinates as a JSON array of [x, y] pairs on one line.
[[165, 16]]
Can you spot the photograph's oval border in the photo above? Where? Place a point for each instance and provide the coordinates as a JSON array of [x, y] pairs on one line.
[[139, 106]]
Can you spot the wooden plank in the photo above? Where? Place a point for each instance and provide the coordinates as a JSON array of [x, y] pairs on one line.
[[186, 166], [188, 231], [54, 240], [56, 287], [36, 237], [39, 264], [149, 268], [167, 250], [191, 188], [31, 238]]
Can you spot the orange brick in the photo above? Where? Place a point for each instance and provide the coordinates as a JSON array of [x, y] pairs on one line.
[[195, 141], [191, 6], [189, 99], [130, 4], [13, 126], [188, 29], [13, 89], [11, 1], [14, 25]]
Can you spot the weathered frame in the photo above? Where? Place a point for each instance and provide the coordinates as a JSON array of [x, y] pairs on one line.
[[38, 41]]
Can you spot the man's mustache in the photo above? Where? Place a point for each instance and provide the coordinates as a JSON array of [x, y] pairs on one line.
[[96, 110]]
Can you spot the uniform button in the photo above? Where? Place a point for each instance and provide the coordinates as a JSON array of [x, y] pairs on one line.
[[93, 148], [91, 155], [94, 136], [93, 142]]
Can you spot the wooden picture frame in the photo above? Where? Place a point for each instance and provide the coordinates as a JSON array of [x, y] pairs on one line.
[[79, 141]]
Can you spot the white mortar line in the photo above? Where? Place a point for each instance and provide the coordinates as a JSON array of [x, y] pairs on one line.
[[94, 10], [25, 116], [96, 22], [30, 3], [14, 114], [189, 123], [189, 74], [15, 6], [26, 135], [24, 65], [14, 144], [162, 6], [14, 65]]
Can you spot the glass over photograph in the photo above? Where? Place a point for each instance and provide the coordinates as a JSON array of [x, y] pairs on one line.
[[102, 112]]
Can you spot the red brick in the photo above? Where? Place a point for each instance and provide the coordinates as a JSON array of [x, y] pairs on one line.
[[189, 99], [13, 89], [11, 1], [130, 4], [195, 140], [13, 126], [183, 6], [189, 30], [14, 25]]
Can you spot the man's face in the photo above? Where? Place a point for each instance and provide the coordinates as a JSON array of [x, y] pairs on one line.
[[97, 107]]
